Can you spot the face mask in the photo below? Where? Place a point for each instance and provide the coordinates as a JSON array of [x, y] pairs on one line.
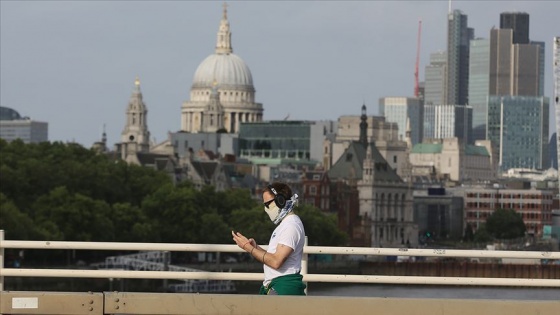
[[273, 211]]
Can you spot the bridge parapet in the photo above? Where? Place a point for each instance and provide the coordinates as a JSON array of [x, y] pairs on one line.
[[209, 304]]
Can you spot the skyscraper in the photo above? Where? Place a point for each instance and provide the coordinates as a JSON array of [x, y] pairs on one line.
[[519, 127], [519, 23], [448, 121], [500, 61], [458, 37], [556, 72], [434, 86], [479, 76], [517, 112], [515, 68], [405, 111]]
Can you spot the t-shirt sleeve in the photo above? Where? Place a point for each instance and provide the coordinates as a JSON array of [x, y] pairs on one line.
[[290, 237]]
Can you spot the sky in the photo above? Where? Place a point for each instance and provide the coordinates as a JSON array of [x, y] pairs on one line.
[[73, 63]]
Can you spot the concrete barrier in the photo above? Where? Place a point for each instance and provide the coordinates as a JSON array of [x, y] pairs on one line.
[[207, 304], [21, 302]]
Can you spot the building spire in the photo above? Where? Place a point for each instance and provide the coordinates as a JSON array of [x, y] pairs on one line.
[[136, 127], [104, 136], [136, 85], [363, 127], [223, 44]]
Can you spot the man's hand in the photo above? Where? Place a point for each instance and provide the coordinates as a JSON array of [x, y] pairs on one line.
[[242, 241]]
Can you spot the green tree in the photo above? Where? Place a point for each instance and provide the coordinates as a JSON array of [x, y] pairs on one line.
[[174, 213], [469, 234], [74, 217], [131, 224], [17, 225], [320, 228], [29, 171], [482, 235], [253, 223], [505, 224], [214, 230]]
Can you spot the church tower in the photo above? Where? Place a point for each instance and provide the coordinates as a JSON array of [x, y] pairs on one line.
[[135, 135]]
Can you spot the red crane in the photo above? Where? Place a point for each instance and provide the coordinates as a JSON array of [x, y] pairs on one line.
[[416, 84]]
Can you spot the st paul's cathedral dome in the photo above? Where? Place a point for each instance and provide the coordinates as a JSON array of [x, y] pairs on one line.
[[222, 93]]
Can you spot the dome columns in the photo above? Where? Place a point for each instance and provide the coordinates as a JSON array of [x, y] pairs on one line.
[[193, 121]]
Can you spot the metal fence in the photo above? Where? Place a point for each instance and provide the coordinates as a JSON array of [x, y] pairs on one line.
[[204, 275]]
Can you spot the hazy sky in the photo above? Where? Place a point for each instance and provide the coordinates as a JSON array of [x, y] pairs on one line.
[[73, 63]]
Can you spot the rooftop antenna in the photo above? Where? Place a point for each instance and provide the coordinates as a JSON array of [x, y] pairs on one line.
[[449, 6]]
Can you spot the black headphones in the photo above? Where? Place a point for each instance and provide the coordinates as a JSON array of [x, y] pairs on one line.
[[279, 199]]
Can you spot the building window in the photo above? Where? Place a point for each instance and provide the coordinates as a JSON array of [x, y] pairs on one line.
[[312, 190]]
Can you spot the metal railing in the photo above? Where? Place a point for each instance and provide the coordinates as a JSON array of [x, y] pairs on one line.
[[204, 275]]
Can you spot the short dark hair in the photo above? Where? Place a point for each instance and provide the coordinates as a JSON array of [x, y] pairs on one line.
[[281, 188]]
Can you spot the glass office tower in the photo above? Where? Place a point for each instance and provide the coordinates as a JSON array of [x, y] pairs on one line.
[[479, 80], [518, 125], [458, 37], [403, 110]]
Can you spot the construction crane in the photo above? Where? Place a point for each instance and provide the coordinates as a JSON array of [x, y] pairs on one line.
[[416, 83]]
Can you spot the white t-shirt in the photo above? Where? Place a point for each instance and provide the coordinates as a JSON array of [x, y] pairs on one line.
[[289, 232]]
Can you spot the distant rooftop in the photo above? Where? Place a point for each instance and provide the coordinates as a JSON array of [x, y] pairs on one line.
[[433, 148], [7, 113]]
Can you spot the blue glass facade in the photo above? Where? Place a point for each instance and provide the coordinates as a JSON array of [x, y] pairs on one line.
[[519, 127]]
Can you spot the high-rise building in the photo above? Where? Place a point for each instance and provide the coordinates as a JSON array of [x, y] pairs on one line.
[[556, 72], [448, 121], [515, 69], [434, 84], [541, 65], [518, 125], [519, 23], [13, 126], [458, 37], [516, 82], [479, 76], [407, 112], [500, 61]]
